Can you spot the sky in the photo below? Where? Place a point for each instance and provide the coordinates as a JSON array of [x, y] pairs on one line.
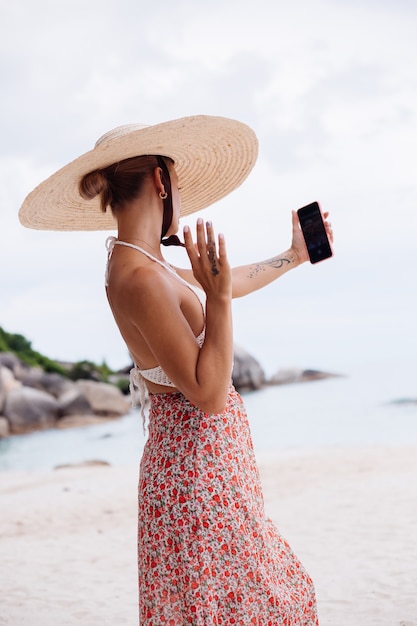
[[329, 87]]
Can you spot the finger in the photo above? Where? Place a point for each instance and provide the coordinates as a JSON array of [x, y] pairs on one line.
[[189, 244], [211, 249], [201, 238], [329, 230], [222, 248], [210, 233], [295, 220]]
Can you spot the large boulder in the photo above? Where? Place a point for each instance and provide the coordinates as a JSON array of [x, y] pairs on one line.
[[104, 399], [295, 375], [4, 427], [54, 384], [247, 373], [287, 376], [7, 383], [13, 363], [80, 420], [8, 380], [28, 409], [74, 402]]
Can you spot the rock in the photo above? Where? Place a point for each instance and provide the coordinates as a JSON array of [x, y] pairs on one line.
[[7, 383], [104, 399], [74, 402], [12, 362], [405, 401], [31, 399], [288, 376], [30, 409], [4, 427], [54, 384], [247, 373], [91, 463], [8, 380], [285, 376], [316, 375], [79, 421]]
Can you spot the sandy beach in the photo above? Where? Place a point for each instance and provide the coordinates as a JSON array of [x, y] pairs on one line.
[[68, 537]]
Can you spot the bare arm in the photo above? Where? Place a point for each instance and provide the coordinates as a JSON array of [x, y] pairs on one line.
[[249, 278], [213, 273], [202, 375]]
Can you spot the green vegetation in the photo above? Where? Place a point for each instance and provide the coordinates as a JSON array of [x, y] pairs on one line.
[[22, 348], [123, 385], [89, 371]]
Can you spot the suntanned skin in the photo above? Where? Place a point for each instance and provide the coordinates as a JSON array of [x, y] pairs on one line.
[[249, 278], [159, 318]]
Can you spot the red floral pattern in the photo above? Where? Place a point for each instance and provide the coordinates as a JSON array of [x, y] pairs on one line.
[[207, 554]]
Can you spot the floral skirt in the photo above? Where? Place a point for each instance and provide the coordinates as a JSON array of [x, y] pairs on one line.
[[207, 554]]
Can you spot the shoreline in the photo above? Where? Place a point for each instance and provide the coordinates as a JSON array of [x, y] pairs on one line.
[[68, 536]]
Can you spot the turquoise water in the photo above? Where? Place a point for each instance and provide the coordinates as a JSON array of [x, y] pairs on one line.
[[352, 410]]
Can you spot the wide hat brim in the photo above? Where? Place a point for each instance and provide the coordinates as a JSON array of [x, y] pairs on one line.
[[212, 156]]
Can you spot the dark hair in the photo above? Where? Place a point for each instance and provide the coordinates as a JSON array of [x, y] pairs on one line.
[[120, 182]]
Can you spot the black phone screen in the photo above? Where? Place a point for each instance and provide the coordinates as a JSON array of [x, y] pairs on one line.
[[314, 232]]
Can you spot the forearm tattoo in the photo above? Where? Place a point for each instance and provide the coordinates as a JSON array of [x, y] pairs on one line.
[[276, 263]]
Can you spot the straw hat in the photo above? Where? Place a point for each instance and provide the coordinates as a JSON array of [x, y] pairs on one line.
[[212, 156]]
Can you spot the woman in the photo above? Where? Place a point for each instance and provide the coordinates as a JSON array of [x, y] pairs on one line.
[[207, 554]]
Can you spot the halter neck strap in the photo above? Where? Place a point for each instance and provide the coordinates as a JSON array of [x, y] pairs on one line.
[[112, 241]]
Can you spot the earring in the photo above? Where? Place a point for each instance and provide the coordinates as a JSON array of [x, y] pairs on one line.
[[163, 195]]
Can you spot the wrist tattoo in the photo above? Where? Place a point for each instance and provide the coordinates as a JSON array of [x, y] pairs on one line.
[[277, 263]]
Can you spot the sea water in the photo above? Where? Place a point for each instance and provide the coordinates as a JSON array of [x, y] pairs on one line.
[[369, 405]]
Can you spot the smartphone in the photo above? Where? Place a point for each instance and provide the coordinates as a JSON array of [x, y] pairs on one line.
[[312, 226]]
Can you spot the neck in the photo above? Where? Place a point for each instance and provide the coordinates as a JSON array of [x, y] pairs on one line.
[[154, 249], [143, 234], [140, 222]]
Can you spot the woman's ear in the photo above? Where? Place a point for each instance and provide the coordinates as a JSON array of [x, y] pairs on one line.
[[157, 178]]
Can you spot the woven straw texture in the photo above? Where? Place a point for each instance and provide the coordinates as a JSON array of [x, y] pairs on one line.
[[212, 155]]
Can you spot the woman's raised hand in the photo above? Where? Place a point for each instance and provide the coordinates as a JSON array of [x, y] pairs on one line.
[[209, 263], [298, 245]]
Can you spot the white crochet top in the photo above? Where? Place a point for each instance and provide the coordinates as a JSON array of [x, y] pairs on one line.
[[156, 374]]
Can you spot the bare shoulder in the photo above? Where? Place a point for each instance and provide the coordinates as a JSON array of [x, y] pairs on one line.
[[148, 283], [147, 290]]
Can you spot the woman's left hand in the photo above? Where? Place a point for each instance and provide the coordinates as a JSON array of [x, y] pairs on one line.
[[210, 264]]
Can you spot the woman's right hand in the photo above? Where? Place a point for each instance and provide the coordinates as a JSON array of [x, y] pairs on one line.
[[210, 266]]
